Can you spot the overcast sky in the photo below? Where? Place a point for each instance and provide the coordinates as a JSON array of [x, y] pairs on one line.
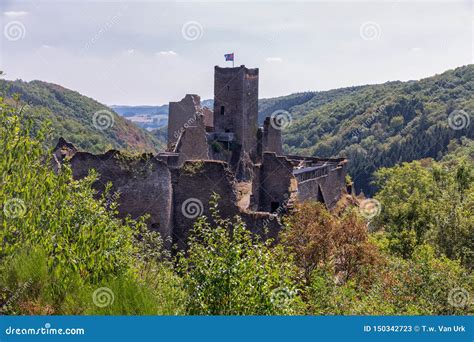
[[153, 52]]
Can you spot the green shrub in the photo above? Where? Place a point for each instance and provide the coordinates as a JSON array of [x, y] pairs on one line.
[[227, 271], [63, 242], [40, 208], [29, 288]]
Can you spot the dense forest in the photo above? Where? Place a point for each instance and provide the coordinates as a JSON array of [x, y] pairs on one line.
[[379, 125], [64, 251], [86, 123]]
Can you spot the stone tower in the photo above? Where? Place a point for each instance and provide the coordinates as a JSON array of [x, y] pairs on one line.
[[236, 108]]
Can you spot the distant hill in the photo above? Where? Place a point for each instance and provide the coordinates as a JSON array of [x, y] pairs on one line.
[[140, 110], [81, 120], [161, 134], [379, 125]]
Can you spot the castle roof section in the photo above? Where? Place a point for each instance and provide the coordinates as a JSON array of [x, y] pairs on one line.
[[234, 70]]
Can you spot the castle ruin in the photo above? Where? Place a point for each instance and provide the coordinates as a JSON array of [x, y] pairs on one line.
[[221, 151]]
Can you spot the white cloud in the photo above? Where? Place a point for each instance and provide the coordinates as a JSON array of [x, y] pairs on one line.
[[274, 59], [167, 53], [416, 49], [15, 14]]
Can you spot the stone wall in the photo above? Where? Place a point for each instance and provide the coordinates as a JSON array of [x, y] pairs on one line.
[[275, 182], [144, 184], [330, 186], [265, 225], [271, 140], [194, 185], [181, 115], [192, 145], [174, 196], [208, 119]]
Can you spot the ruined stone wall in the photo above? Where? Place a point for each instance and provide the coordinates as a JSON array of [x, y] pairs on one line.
[[172, 197], [144, 185], [276, 181], [250, 112], [208, 119], [181, 115], [192, 145], [265, 225], [194, 185], [330, 186], [256, 184], [271, 140]]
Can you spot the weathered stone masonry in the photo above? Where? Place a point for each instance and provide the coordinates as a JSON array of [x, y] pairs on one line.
[[221, 151]]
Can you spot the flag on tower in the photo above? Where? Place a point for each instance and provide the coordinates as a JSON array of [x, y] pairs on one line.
[[229, 57]]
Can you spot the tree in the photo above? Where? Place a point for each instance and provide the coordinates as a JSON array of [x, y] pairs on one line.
[[321, 240], [434, 201]]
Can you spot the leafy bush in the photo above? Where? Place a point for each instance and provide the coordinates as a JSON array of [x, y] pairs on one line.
[[64, 242], [227, 271], [77, 231], [421, 285]]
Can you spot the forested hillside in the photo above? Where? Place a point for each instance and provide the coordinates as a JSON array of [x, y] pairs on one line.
[[380, 125], [81, 120]]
